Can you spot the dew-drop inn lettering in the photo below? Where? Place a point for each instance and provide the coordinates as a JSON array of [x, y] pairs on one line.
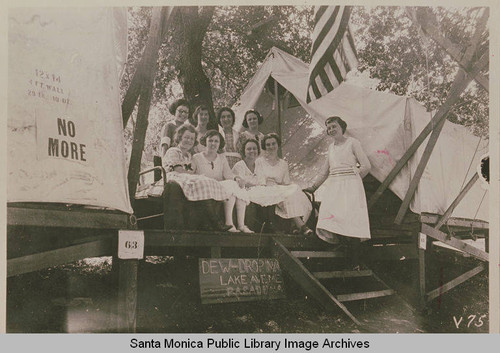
[[233, 280], [61, 146]]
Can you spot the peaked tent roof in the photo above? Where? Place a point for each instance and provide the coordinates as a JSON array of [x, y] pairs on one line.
[[384, 123]]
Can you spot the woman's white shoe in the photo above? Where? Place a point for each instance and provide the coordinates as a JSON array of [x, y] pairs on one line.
[[245, 229]]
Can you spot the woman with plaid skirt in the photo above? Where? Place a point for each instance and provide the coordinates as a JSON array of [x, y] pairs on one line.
[[178, 165]]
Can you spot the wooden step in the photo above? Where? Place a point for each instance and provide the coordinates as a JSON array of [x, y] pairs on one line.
[[364, 295], [342, 274], [317, 254]]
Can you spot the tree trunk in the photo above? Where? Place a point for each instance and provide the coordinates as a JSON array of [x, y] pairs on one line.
[[193, 26]]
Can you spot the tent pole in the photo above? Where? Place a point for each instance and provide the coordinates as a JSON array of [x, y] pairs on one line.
[[454, 204], [277, 102], [454, 50], [135, 86], [150, 59]]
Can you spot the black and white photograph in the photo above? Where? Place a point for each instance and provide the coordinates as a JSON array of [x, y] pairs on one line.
[[250, 169]]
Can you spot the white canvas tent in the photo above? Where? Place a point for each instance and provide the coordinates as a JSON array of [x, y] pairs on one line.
[[65, 140], [385, 124]]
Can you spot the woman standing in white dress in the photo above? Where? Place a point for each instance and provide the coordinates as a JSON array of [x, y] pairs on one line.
[[343, 209], [213, 164]]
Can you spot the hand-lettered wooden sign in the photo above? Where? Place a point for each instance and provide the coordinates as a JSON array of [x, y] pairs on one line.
[[235, 280]]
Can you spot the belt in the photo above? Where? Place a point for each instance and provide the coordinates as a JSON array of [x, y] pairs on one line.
[[342, 171]]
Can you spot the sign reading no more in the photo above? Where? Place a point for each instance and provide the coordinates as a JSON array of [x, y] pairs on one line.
[[236, 280]]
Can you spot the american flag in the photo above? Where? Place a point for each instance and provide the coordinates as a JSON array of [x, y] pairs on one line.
[[333, 53]]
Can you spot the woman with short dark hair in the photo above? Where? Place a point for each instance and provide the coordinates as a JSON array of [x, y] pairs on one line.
[[180, 111], [179, 167], [251, 121], [343, 209], [275, 188]]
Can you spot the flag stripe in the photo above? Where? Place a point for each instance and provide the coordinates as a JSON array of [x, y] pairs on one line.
[[333, 53], [320, 10], [328, 25], [327, 56], [326, 50], [329, 40], [325, 79]]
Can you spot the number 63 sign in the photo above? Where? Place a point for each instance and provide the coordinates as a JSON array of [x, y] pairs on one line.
[[130, 244]]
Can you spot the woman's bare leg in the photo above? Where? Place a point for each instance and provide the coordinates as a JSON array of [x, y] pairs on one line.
[[241, 207], [228, 210]]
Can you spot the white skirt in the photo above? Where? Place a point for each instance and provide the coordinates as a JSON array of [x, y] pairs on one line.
[[232, 188], [343, 208], [290, 200]]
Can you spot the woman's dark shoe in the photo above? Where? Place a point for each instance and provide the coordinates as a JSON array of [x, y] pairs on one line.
[[220, 227]]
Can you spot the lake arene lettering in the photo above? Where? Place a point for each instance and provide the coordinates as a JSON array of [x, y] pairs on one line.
[[58, 147]]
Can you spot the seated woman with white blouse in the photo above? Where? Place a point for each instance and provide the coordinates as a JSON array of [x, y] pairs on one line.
[[213, 164], [268, 182]]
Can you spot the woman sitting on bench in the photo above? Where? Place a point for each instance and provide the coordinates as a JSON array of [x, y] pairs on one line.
[[213, 164], [269, 184], [183, 184]]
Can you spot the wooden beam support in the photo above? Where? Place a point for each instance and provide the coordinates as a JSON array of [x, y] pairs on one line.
[[39, 261], [157, 238], [454, 221], [454, 50], [453, 283], [135, 86], [461, 81], [318, 254], [420, 171], [342, 274], [150, 59], [454, 204], [455, 243], [278, 111], [79, 218], [215, 252], [364, 295], [127, 295], [421, 277], [307, 281]]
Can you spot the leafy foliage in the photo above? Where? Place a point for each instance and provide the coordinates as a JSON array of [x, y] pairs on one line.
[[406, 62], [391, 49]]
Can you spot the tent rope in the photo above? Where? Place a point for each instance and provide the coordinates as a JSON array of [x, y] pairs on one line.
[[477, 211], [472, 160]]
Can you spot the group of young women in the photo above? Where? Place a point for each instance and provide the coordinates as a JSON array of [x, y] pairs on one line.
[[242, 167]]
